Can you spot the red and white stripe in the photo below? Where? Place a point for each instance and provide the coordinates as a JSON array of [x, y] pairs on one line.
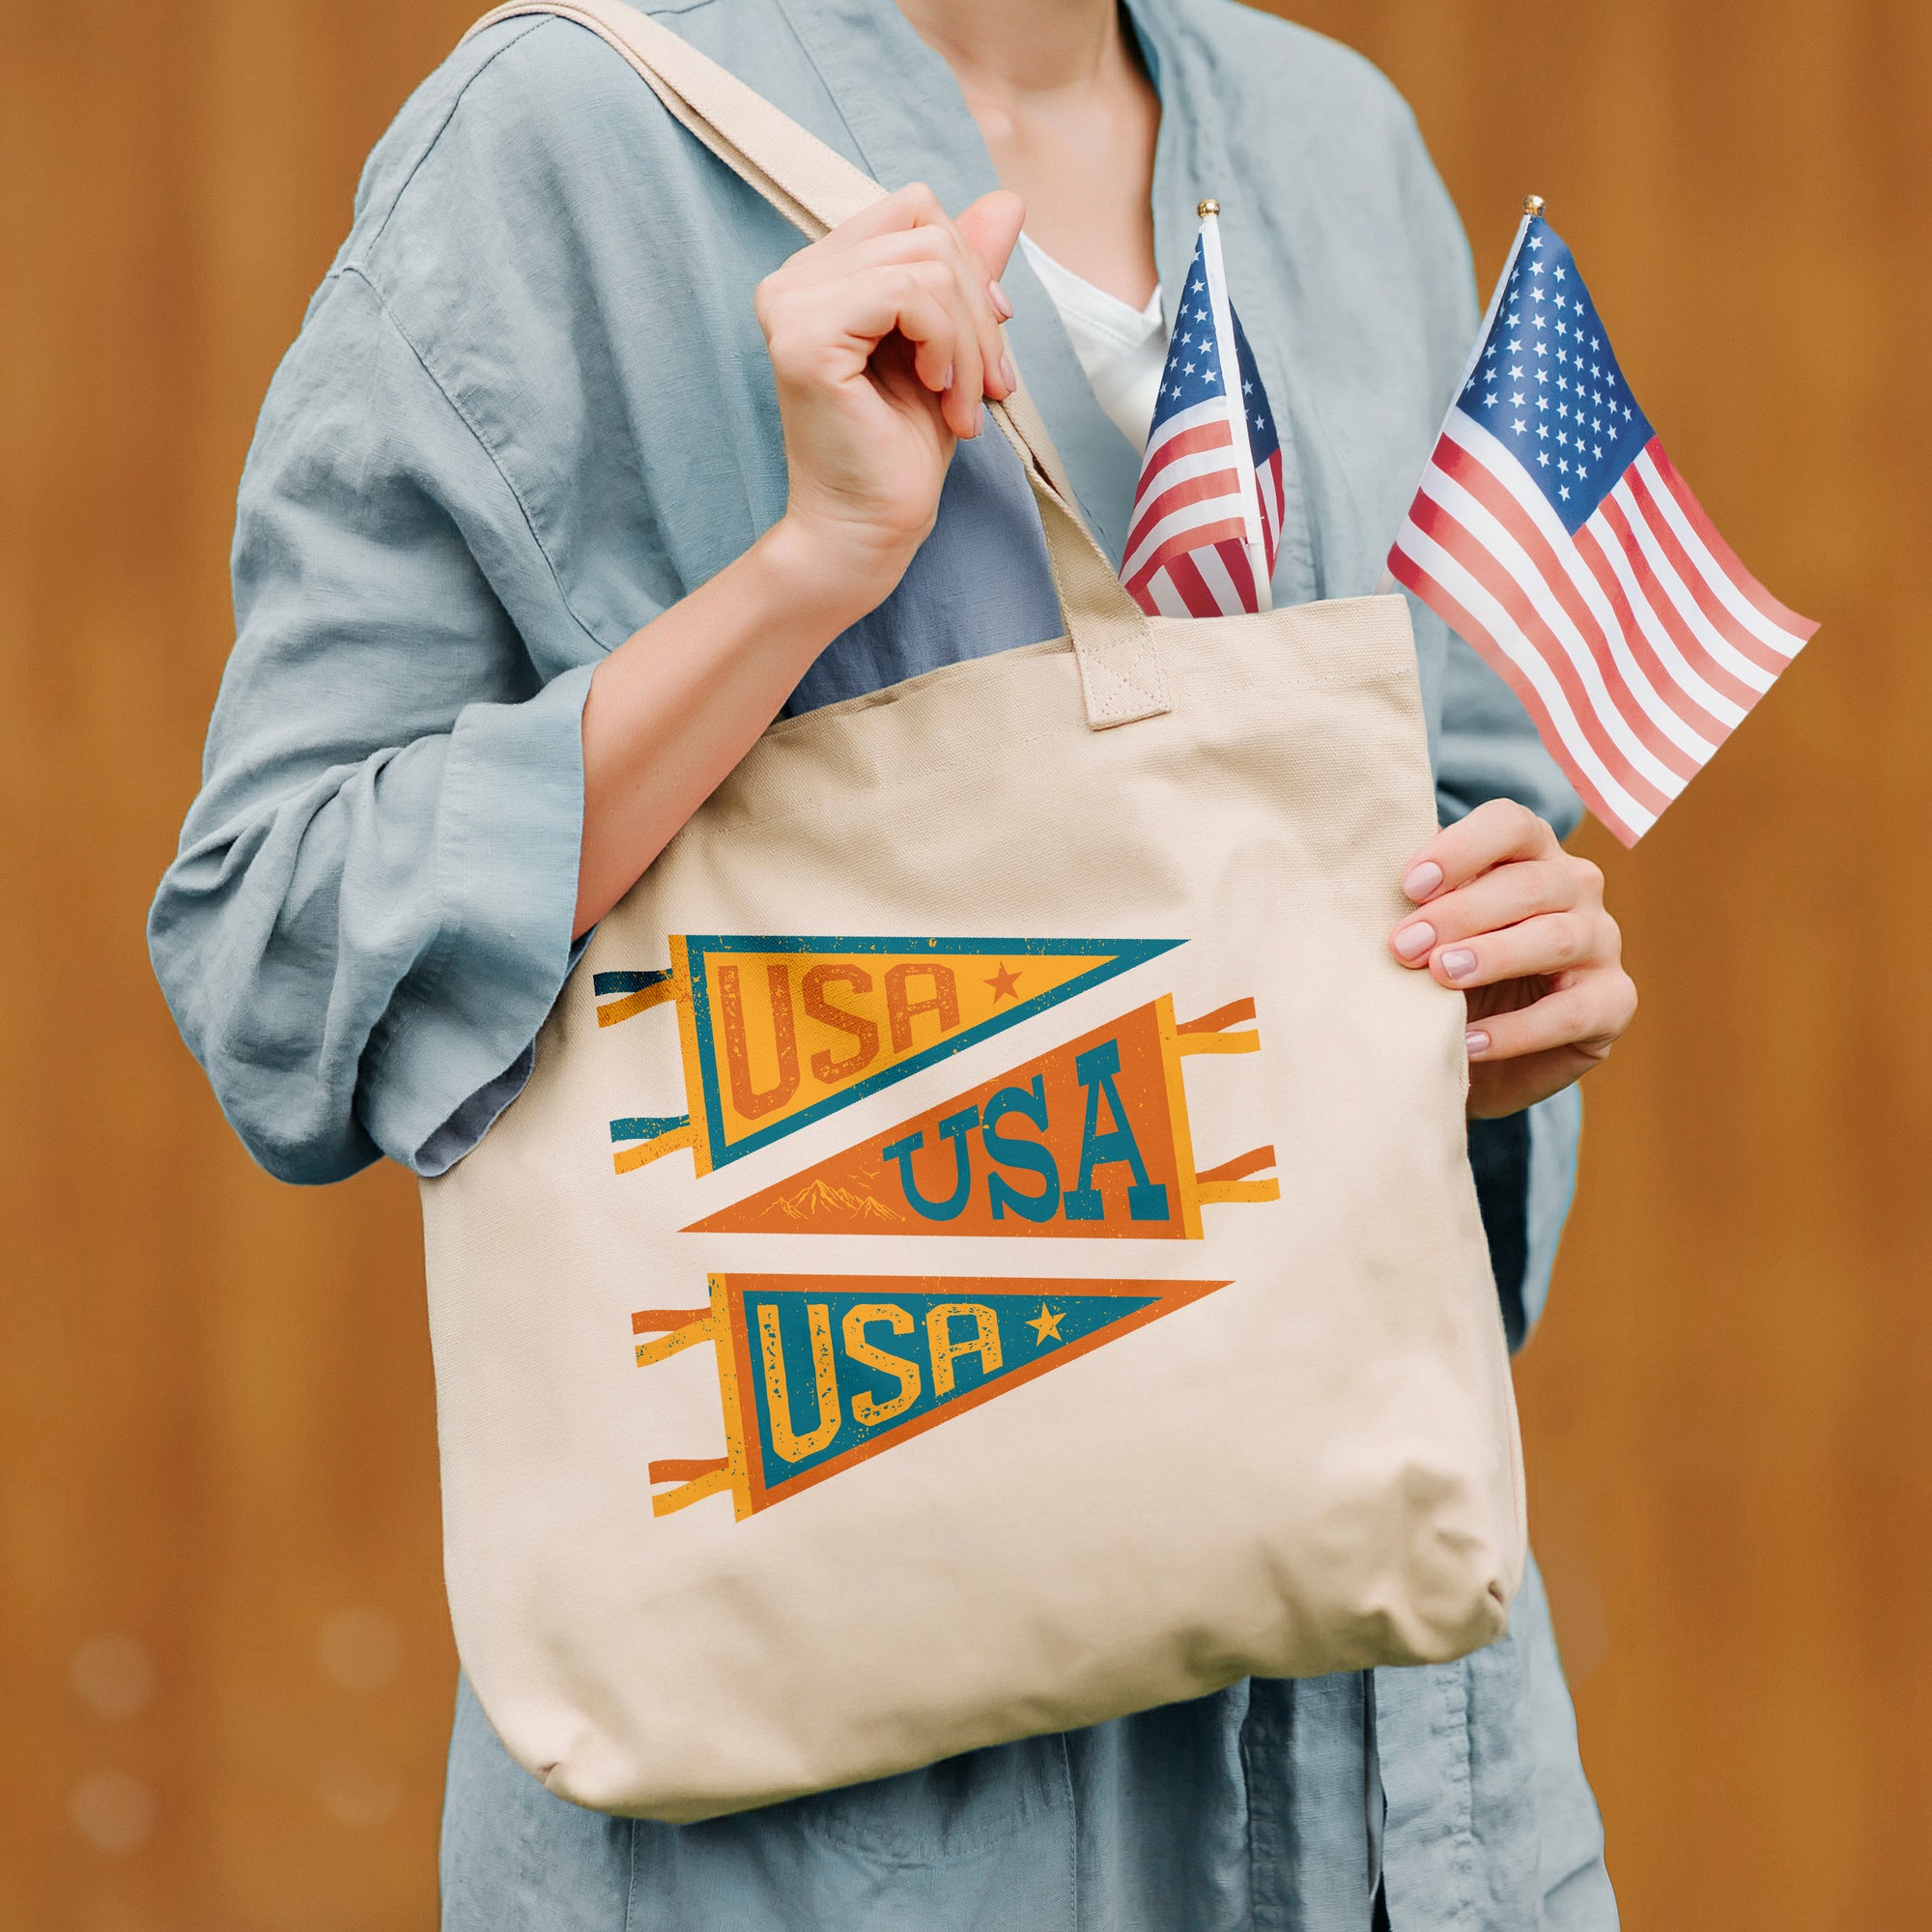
[[1637, 645], [1187, 548]]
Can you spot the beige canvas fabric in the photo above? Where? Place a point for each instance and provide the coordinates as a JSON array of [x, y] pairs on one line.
[[989, 1243]]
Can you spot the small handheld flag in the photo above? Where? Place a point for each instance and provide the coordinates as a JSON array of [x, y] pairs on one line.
[[1554, 535], [1207, 515]]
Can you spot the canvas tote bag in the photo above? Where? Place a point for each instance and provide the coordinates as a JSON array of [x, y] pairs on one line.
[[988, 1243]]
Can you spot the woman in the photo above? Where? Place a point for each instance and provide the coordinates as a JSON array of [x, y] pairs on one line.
[[579, 472]]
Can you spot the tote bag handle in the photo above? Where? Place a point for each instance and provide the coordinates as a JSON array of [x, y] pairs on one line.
[[815, 189]]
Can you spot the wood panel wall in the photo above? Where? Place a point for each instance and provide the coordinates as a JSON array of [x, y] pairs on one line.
[[225, 1668]]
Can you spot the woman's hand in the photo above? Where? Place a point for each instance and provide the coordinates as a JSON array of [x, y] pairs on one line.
[[1519, 926], [884, 338]]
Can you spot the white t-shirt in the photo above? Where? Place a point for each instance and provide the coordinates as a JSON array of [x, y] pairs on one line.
[[1122, 348]]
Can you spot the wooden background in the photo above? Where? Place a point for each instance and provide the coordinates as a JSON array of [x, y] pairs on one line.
[[225, 1671]]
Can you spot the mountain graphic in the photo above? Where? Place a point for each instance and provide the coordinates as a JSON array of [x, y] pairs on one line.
[[817, 1199]]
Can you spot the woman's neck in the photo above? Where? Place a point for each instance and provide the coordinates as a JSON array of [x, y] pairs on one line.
[[1020, 48], [1069, 119]]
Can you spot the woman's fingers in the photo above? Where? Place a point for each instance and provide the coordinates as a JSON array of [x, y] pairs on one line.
[[1539, 947], [1500, 897], [943, 269], [1496, 833], [910, 228], [827, 332], [829, 329], [992, 229], [1505, 915], [922, 301], [1587, 1016]]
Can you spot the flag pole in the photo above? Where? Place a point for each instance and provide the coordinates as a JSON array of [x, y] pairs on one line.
[[1209, 212], [1533, 205]]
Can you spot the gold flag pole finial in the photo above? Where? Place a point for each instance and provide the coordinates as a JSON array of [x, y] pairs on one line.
[[1207, 208], [1533, 205]]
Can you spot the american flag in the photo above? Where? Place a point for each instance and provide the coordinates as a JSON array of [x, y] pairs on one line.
[[1207, 517], [1556, 536]]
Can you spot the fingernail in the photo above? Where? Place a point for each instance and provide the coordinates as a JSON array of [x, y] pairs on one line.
[[1459, 963], [1477, 1042], [946, 380], [997, 295], [1414, 941], [1009, 375], [979, 417], [1423, 881]]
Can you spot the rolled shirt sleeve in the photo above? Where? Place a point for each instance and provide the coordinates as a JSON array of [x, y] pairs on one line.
[[371, 911], [528, 410]]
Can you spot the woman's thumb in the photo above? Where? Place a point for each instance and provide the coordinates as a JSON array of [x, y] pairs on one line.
[[991, 226]]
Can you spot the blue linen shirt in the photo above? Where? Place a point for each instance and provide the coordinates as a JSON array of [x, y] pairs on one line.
[[529, 408]]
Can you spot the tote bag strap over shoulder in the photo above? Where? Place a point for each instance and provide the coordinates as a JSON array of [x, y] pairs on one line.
[[815, 189]]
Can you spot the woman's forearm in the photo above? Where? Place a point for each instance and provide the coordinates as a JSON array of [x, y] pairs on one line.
[[675, 706]]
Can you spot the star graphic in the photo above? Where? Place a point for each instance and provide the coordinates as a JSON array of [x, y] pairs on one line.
[[1047, 1325], [1003, 984]]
